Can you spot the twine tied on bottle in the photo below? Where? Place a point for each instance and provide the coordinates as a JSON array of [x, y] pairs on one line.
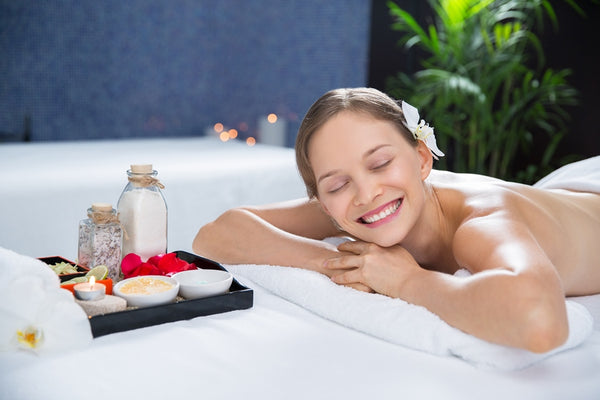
[[103, 217], [145, 180]]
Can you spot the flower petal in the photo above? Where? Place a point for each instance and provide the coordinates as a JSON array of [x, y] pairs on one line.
[[411, 114], [40, 319], [155, 260], [129, 263], [147, 269]]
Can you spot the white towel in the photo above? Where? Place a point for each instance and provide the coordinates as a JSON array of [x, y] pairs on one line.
[[399, 322]]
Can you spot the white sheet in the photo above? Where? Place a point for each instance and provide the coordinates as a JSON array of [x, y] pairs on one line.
[[278, 350], [581, 176], [274, 350]]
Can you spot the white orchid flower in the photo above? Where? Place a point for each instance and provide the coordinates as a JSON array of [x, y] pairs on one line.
[[420, 130], [35, 313]]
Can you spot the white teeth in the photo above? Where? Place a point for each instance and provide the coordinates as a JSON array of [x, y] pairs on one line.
[[388, 211]]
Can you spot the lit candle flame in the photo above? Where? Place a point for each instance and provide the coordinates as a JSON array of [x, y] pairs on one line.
[[92, 282]]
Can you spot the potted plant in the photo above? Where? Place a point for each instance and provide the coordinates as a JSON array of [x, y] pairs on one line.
[[496, 108]]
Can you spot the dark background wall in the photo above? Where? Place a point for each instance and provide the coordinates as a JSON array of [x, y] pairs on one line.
[[84, 69], [573, 46], [87, 69]]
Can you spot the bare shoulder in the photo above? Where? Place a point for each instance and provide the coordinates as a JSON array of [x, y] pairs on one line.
[[445, 177], [500, 224]]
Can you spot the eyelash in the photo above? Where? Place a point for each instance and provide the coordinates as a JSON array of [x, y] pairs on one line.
[[382, 165], [338, 188]]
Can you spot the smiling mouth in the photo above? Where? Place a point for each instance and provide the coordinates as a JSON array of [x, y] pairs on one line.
[[387, 211]]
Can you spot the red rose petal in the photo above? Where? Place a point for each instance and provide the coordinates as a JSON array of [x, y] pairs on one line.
[[169, 263], [155, 260], [130, 262], [148, 269], [160, 264]]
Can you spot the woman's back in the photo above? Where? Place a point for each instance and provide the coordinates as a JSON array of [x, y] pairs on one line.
[[566, 224]]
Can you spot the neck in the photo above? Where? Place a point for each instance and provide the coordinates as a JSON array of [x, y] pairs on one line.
[[430, 242]]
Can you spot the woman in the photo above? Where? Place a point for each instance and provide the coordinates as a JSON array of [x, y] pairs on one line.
[[367, 165]]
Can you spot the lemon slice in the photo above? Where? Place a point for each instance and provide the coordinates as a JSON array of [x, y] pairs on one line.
[[78, 279], [99, 272]]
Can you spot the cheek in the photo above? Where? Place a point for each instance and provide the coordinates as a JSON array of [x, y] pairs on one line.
[[335, 206]]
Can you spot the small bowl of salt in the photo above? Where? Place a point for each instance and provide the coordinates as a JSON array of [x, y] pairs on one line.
[[147, 290], [199, 283]]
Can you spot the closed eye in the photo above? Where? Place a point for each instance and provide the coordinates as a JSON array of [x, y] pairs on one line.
[[381, 165], [338, 187]]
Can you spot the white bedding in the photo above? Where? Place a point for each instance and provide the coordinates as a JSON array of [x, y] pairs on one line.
[[274, 350]]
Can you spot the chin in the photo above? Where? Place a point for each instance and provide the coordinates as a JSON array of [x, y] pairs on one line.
[[386, 243], [381, 242]]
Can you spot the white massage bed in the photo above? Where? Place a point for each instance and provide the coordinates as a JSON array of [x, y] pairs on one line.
[[282, 347]]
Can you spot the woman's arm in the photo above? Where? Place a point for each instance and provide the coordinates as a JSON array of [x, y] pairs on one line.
[[287, 233], [514, 296]]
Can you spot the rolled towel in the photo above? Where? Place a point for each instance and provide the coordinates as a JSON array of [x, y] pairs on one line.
[[397, 321]]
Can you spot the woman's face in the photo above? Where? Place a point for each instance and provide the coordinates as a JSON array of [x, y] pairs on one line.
[[369, 178]]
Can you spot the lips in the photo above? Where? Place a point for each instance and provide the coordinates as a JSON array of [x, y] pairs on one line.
[[381, 213]]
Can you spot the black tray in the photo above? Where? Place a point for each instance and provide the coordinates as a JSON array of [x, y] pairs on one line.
[[81, 270], [239, 297]]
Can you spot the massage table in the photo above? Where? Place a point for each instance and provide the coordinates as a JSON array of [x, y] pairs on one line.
[[280, 347]]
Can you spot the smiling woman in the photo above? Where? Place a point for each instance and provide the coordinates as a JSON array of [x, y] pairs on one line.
[[369, 175]]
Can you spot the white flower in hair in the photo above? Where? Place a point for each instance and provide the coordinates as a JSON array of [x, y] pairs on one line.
[[420, 130]]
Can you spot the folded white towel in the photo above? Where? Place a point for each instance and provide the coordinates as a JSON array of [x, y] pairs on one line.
[[35, 313], [397, 321], [413, 326]]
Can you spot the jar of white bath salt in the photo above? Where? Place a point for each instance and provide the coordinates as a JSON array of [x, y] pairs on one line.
[[143, 213], [100, 237]]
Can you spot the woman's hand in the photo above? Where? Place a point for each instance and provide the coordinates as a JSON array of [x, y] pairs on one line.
[[383, 270]]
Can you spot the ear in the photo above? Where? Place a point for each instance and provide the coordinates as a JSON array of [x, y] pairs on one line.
[[425, 159]]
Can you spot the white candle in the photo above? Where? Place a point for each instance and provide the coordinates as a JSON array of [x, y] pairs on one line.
[[271, 130], [89, 290]]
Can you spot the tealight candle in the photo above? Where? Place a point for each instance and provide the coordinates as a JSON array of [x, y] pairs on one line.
[[89, 290]]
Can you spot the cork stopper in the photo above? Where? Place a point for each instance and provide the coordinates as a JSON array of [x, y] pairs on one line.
[[141, 168], [102, 207]]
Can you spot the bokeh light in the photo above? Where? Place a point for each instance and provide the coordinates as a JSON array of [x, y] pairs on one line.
[[218, 127], [272, 118], [250, 141]]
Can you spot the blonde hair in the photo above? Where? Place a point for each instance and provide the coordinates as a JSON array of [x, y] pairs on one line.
[[361, 100]]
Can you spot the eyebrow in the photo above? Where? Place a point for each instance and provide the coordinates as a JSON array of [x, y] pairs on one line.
[[365, 155]]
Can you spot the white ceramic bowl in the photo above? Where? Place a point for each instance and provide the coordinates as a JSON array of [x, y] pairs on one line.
[[147, 290], [198, 283]]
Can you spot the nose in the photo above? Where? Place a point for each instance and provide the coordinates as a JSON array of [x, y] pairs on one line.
[[367, 190]]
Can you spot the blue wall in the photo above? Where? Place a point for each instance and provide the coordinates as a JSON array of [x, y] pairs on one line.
[[88, 69]]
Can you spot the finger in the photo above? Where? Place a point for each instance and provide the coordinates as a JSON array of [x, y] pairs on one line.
[[354, 246], [348, 278], [343, 262]]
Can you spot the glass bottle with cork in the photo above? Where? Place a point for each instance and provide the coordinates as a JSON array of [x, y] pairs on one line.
[[100, 239], [143, 213]]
